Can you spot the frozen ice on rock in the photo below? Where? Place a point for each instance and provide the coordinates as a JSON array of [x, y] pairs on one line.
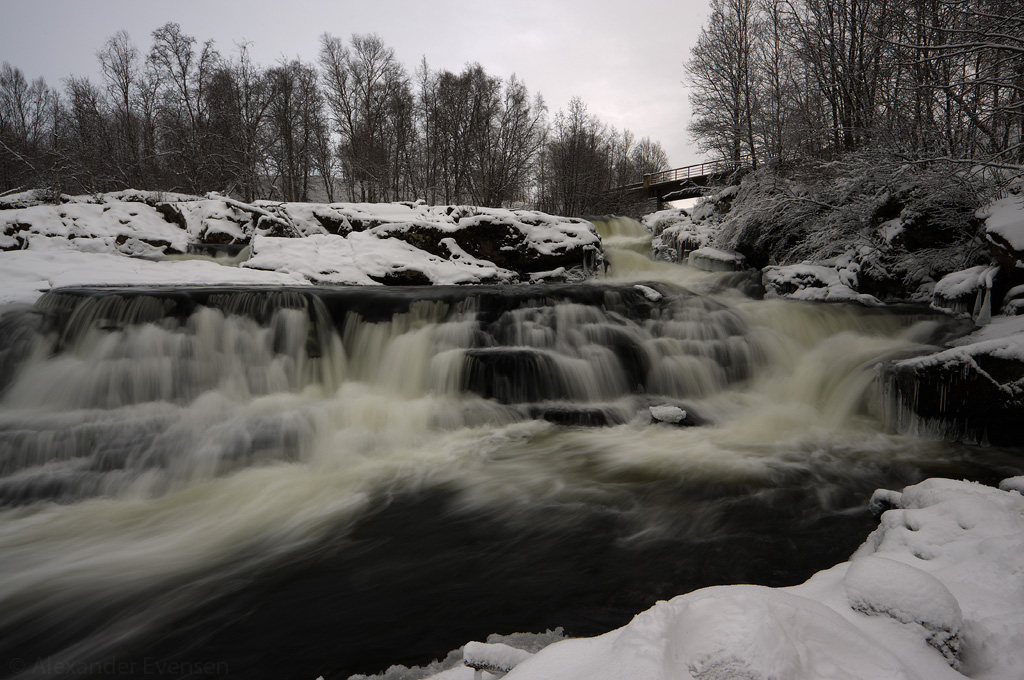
[[667, 413], [649, 292]]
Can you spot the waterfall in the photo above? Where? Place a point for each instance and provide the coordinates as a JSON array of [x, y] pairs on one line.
[[335, 479]]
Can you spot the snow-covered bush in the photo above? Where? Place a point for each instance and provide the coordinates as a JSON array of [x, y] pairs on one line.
[[906, 224]]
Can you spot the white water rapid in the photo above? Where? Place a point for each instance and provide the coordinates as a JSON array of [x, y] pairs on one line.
[[287, 483]]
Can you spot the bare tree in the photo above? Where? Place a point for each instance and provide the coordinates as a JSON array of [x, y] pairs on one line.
[[26, 125], [366, 89], [721, 76], [648, 157], [183, 75]]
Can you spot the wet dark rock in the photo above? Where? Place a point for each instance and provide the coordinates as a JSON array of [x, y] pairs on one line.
[[275, 227], [577, 416], [403, 277], [514, 375], [333, 224]]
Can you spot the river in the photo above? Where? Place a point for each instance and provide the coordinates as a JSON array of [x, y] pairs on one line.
[[285, 483]]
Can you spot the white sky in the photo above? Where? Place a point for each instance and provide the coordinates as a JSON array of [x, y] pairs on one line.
[[623, 57]]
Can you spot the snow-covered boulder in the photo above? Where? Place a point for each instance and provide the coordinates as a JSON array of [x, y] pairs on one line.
[[134, 223], [716, 260], [678, 232], [813, 282], [1004, 230], [667, 413]]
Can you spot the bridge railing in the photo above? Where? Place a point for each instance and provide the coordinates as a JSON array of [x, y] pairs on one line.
[[694, 171]]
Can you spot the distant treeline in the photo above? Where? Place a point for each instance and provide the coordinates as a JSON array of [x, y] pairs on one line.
[[354, 126], [924, 80]]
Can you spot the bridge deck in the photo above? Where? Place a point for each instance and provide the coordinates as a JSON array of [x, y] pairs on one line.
[[695, 171]]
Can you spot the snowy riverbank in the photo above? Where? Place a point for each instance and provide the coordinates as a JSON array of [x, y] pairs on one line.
[[141, 238], [935, 592]]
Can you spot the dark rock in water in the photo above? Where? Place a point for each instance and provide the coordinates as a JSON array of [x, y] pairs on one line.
[[514, 375], [403, 277], [580, 416], [959, 395]]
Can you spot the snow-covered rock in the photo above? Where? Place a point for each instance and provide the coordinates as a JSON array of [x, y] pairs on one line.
[[678, 232], [1004, 230], [649, 292], [967, 292], [667, 413], [494, 657], [812, 282], [715, 260], [878, 586]]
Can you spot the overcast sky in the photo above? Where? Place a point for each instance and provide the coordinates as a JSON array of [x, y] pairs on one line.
[[623, 57]]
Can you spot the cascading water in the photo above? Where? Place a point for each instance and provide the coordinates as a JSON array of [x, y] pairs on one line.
[[294, 482]]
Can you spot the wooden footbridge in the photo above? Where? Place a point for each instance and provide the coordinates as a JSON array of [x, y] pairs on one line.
[[689, 181]]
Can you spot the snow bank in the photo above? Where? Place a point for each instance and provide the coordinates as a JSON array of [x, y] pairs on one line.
[[936, 592], [27, 274], [365, 259]]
